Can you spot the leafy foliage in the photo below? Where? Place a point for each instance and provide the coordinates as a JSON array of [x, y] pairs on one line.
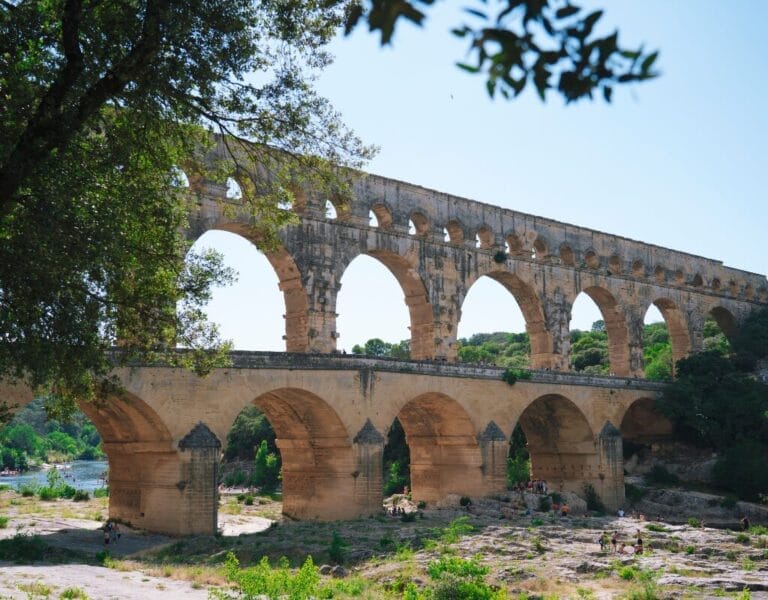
[[250, 428], [397, 460], [266, 467], [379, 348], [716, 402], [102, 103], [527, 41]]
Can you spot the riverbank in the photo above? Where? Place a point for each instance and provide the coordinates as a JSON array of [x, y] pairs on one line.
[[536, 555]]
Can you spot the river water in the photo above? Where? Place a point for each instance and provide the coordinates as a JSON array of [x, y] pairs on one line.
[[84, 475]]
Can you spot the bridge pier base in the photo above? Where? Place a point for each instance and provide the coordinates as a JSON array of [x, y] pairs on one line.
[[445, 465]]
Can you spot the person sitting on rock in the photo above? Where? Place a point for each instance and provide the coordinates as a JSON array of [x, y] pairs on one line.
[[639, 545]]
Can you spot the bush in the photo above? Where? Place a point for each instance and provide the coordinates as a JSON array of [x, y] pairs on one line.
[[3, 521], [544, 504], [512, 375], [81, 496], [47, 493], [421, 505], [465, 501], [27, 490], [337, 549], [408, 517], [518, 469], [656, 528], [102, 492], [742, 470], [74, 594], [742, 538], [659, 475], [594, 502], [396, 479], [634, 493], [694, 522], [248, 501]]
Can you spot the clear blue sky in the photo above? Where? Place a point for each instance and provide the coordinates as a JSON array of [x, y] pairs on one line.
[[680, 162]]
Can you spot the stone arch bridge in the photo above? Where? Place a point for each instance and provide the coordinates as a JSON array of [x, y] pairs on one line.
[[331, 413]]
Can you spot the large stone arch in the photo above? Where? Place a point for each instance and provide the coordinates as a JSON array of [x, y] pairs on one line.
[[147, 475], [319, 466], [416, 299], [642, 423], [566, 452], [533, 312], [445, 454], [679, 332], [615, 326], [290, 282], [726, 321]]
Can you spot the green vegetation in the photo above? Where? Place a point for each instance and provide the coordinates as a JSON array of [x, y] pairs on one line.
[[716, 402], [397, 460], [32, 437]]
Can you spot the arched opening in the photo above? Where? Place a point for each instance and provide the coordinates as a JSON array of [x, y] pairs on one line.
[[514, 245], [679, 276], [540, 250], [560, 443], [330, 211], [614, 265], [179, 177], [665, 339], [503, 324], [484, 238], [418, 224], [253, 312], [642, 426], [380, 216], [397, 461], [591, 259], [567, 256], [716, 284], [660, 274], [697, 281], [454, 232], [251, 469], [314, 448], [638, 268], [444, 453], [603, 348], [234, 191], [365, 316], [720, 328], [31, 439]]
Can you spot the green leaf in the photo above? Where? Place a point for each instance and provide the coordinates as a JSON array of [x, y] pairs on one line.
[[648, 61], [607, 93], [468, 68], [566, 11]]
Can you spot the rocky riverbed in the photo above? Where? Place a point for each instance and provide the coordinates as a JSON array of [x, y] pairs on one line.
[[527, 553]]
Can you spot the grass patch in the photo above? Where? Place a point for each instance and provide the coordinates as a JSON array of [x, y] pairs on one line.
[[656, 528], [3, 521]]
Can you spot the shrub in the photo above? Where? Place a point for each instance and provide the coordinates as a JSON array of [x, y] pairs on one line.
[[465, 501], [66, 491], [694, 522], [81, 496], [655, 527], [102, 492], [742, 538], [337, 549], [74, 594], [421, 505], [459, 567], [408, 517], [3, 521], [544, 504], [628, 573], [557, 497], [27, 491], [248, 500], [518, 468], [47, 494], [634, 493], [690, 549], [660, 475], [512, 375], [593, 500], [241, 497]]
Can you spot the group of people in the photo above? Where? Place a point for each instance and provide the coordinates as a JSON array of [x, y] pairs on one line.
[[612, 543], [536, 486], [112, 532]]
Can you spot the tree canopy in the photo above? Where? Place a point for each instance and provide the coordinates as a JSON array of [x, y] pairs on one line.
[[101, 106]]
